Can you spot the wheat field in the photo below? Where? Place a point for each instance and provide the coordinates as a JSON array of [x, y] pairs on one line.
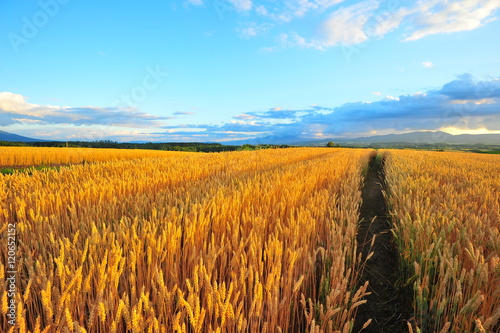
[[29, 156], [446, 210], [258, 241], [251, 241]]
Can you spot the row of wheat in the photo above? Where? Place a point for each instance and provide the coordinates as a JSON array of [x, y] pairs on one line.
[[446, 210], [28, 156], [231, 242]]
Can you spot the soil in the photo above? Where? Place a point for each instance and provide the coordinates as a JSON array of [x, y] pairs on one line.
[[385, 305]]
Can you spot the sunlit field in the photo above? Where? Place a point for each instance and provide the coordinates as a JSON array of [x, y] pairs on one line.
[[250, 241], [230, 242], [446, 210], [29, 156]]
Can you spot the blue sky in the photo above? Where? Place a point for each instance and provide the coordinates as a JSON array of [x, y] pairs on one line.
[[221, 70]]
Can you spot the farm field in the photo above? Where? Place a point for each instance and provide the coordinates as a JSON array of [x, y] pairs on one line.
[[232, 242], [446, 213], [251, 241], [28, 156]]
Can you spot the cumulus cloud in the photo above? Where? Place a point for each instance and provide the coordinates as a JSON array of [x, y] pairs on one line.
[[14, 109], [466, 88], [437, 17], [368, 19], [463, 103], [421, 111], [430, 111], [242, 5], [430, 17], [233, 130], [338, 23], [347, 25]]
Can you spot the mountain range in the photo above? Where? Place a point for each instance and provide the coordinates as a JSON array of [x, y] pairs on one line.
[[428, 137], [406, 138], [6, 136]]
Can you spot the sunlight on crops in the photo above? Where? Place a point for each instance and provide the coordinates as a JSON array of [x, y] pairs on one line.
[[446, 209], [29, 156], [233, 242]]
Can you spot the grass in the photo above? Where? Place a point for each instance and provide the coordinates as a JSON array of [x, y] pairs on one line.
[[28, 170], [486, 151]]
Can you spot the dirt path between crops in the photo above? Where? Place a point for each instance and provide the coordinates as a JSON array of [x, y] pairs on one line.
[[385, 305]]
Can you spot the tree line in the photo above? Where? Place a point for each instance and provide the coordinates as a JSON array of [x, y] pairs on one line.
[[170, 146]]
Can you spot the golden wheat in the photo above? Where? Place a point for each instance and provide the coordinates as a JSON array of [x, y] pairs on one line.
[[446, 210], [176, 242], [29, 156]]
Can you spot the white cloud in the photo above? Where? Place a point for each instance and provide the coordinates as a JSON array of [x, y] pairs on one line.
[[375, 18], [346, 25], [12, 102], [427, 64], [437, 17], [463, 104], [389, 20], [16, 104], [359, 22], [377, 93], [245, 116], [261, 10], [250, 30], [429, 17], [242, 5], [14, 109], [291, 40], [300, 7], [287, 10]]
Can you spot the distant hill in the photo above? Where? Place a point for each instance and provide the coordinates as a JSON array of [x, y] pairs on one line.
[[408, 138], [6, 136], [421, 138], [390, 139]]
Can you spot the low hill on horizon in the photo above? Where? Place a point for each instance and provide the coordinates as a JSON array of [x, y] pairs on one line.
[[6, 136], [435, 137], [430, 137]]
